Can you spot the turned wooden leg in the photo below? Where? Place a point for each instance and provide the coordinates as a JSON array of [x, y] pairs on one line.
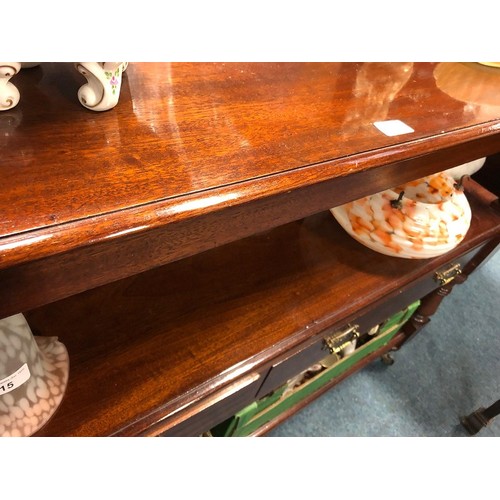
[[428, 307], [9, 95], [104, 83], [431, 302], [480, 418], [387, 359]]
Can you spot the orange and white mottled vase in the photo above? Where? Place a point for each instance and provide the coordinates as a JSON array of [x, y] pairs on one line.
[[418, 220]]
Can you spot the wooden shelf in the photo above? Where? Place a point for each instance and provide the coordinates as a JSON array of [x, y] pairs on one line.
[[146, 347], [199, 155], [180, 243]]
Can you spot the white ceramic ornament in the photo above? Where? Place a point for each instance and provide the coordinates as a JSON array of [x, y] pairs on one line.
[[9, 95], [104, 83]]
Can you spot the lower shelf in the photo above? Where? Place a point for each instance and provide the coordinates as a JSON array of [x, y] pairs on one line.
[[148, 352]]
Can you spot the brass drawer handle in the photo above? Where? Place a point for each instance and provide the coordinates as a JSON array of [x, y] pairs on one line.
[[447, 275], [341, 339]]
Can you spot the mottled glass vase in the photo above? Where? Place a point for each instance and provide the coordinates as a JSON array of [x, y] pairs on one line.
[[33, 377], [418, 220]]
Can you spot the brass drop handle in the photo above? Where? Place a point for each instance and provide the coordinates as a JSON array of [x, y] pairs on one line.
[[447, 275], [341, 339]]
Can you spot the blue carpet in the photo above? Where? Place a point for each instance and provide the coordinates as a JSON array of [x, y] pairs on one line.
[[449, 369]]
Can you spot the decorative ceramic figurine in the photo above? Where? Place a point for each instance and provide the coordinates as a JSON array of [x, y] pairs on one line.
[[104, 82], [418, 220], [9, 95], [100, 93], [33, 377]]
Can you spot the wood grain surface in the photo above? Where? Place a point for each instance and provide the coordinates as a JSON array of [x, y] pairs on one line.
[[181, 129], [150, 346], [198, 155], [179, 241]]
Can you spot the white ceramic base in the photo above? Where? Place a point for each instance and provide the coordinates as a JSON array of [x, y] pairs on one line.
[[104, 83], [9, 95], [29, 406], [101, 93]]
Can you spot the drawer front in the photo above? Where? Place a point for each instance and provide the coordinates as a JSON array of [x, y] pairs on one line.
[[212, 410], [311, 352], [300, 359], [293, 396]]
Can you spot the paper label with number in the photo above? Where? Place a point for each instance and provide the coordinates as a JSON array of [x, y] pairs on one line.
[[18, 378]]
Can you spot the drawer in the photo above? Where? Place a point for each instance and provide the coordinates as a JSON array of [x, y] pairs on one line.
[[304, 357], [233, 425], [291, 394], [313, 350], [212, 410]]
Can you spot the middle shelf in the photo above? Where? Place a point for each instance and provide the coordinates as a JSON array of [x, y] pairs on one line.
[[145, 349]]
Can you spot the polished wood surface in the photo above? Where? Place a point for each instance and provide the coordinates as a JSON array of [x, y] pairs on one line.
[[42, 281], [145, 349], [198, 155], [186, 128], [190, 137]]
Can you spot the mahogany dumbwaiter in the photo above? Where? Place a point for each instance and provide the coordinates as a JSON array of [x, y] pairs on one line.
[[180, 245]]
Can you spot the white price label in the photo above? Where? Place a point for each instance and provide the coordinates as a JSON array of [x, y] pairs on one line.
[[15, 380], [393, 127]]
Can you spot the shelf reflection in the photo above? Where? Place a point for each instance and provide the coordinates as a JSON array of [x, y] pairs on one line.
[[377, 85]]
